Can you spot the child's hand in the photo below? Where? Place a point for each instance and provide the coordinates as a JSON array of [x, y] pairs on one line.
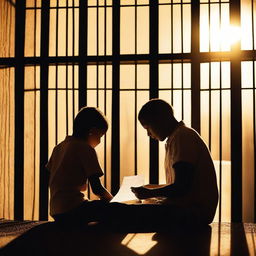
[[141, 192]]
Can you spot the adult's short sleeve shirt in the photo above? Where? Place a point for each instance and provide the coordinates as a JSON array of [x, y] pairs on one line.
[[186, 145], [72, 162]]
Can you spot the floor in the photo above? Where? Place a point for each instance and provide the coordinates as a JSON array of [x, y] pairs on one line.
[[44, 238]]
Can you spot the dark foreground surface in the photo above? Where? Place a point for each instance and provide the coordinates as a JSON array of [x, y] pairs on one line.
[[46, 238]]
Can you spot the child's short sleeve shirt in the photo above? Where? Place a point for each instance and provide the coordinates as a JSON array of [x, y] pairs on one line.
[[71, 164]]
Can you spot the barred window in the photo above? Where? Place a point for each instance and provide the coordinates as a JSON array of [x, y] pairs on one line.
[[60, 55]]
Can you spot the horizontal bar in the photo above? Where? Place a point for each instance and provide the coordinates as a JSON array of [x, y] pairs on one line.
[[131, 58]]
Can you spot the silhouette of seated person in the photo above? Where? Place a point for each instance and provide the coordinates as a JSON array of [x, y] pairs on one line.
[[190, 195]]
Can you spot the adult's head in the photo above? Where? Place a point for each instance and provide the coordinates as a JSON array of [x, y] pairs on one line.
[[157, 117]]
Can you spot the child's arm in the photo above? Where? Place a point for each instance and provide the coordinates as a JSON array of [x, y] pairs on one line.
[[183, 178], [98, 189]]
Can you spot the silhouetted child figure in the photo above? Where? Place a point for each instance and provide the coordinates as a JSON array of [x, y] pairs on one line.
[[72, 165], [191, 193]]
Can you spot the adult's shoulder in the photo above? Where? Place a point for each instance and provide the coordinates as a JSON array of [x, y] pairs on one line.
[[187, 131], [188, 135]]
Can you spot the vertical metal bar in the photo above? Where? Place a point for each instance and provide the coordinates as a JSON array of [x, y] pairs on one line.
[[97, 53], [254, 112], [105, 90], [97, 84], [172, 26], [115, 140], [135, 122], [220, 132], [195, 66], [182, 91], [83, 16], [172, 91], [83, 36], [253, 34], [67, 91], [220, 147], [35, 92], [19, 111], [209, 24], [236, 122], [73, 54], [210, 107], [153, 89], [181, 25], [254, 138], [8, 82], [182, 63], [43, 196], [135, 95], [56, 74], [10, 15]]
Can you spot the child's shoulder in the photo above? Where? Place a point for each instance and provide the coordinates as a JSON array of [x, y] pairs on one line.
[[75, 143]]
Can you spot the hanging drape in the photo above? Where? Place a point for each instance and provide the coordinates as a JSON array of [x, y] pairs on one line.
[[7, 15]]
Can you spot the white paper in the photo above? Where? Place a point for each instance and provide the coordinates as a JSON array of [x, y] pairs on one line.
[[125, 193]]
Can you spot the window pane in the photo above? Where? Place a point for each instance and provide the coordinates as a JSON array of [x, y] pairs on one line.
[[127, 76], [127, 30], [52, 33], [32, 154], [177, 29], [33, 3], [186, 41], [7, 120], [142, 30], [142, 139], [63, 31], [32, 32], [32, 77], [174, 28], [216, 34], [247, 74], [143, 76], [248, 24], [215, 127], [127, 131], [165, 29], [248, 135]]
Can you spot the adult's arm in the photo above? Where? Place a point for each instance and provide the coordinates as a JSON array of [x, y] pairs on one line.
[[184, 173]]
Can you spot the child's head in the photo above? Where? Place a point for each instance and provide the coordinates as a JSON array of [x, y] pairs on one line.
[[155, 116], [90, 124]]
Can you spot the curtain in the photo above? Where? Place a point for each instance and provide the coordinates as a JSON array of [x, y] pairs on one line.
[[7, 15]]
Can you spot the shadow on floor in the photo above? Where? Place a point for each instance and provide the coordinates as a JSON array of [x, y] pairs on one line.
[[49, 239], [95, 240]]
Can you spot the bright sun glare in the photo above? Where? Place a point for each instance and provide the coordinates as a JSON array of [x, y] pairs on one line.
[[230, 35], [222, 39]]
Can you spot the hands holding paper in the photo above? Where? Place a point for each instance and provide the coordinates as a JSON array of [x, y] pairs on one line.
[[133, 188], [142, 192], [148, 191]]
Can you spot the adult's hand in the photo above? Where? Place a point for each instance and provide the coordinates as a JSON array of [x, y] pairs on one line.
[[142, 192]]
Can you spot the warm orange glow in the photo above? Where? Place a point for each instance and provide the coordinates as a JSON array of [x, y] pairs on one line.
[[139, 243], [230, 35], [221, 39]]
